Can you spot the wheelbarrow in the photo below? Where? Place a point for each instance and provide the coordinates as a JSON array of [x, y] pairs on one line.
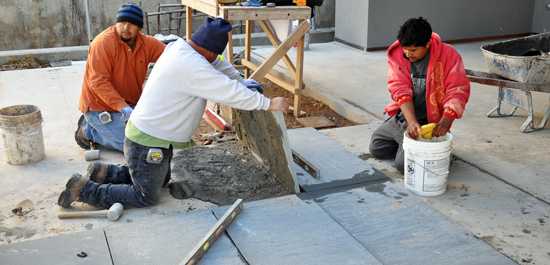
[[526, 60], [517, 67]]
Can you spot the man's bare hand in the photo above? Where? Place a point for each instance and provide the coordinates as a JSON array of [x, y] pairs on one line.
[[279, 103], [442, 127], [413, 129]]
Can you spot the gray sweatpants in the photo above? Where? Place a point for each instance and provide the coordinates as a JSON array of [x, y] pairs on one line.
[[387, 141]]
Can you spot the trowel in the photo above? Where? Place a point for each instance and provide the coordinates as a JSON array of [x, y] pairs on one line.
[[23, 207]]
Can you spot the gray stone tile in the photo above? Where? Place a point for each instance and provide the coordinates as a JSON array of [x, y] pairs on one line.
[[399, 228], [61, 249], [338, 166], [168, 240], [293, 230]]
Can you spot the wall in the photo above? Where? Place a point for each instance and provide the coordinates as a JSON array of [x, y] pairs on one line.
[[33, 24], [452, 20], [352, 22], [541, 17]]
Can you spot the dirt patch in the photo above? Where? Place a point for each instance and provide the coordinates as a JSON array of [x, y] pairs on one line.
[[27, 63], [309, 105]]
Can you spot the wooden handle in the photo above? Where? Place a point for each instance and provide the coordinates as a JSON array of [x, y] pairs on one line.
[[82, 214]]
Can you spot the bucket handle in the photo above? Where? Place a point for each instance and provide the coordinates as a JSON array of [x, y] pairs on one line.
[[441, 173], [30, 134]]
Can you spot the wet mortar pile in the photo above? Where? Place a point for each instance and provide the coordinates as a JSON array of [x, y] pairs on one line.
[[225, 172]]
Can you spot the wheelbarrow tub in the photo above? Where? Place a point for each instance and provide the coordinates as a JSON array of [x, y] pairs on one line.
[[508, 59]]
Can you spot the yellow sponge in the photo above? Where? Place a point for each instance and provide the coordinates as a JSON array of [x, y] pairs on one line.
[[426, 130]]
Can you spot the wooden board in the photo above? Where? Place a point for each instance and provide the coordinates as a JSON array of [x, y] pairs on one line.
[[315, 122], [250, 13]]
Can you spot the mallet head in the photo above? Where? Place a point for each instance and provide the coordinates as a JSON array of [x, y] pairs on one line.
[[115, 211], [92, 154]]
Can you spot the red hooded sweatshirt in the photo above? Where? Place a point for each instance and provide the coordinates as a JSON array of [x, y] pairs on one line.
[[447, 87]]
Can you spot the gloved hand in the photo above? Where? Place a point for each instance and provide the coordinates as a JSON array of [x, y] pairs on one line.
[[126, 112], [254, 3], [251, 84]]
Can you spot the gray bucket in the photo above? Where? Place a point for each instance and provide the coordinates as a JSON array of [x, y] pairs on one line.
[[21, 129]]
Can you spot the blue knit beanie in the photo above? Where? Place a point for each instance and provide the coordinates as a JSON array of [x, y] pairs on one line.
[[130, 12], [212, 35]]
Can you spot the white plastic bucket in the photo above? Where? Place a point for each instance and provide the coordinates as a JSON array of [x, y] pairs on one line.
[[21, 129], [427, 164]]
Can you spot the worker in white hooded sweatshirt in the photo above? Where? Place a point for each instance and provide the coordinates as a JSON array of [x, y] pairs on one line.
[[186, 75]]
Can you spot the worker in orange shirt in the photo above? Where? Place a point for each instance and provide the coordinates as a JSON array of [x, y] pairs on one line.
[[117, 64]]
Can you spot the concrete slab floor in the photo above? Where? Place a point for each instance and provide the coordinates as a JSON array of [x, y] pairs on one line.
[[499, 180], [503, 172]]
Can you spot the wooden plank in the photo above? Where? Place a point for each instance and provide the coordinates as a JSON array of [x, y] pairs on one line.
[[239, 67], [263, 13], [188, 22], [247, 45], [316, 122], [306, 165], [271, 77], [276, 44], [198, 251], [205, 6], [250, 13], [268, 64], [299, 73], [230, 46]]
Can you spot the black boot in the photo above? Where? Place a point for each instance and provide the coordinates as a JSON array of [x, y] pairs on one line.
[[79, 135]]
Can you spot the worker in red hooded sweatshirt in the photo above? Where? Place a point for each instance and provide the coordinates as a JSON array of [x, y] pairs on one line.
[[428, 84]]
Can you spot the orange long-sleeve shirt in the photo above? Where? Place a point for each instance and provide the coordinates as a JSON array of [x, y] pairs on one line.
[[114, 74]]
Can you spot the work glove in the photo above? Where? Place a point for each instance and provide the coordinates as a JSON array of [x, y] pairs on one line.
[[252, 84], [254, 3], [126, 112]]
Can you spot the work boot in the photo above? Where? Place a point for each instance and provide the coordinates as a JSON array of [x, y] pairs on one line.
[[79, 135], [96, 172], [72, 190]]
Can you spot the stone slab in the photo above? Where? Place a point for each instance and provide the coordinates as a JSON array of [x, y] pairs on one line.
[[265, 134], [293, 230], [337, 165], [168, 240], [62, 249], [399, 228]]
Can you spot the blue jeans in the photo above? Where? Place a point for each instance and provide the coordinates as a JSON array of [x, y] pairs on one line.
[[110, 135], [137, 185]]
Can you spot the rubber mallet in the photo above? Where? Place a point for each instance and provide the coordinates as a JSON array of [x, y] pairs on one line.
[[112, 214], [92, 154]]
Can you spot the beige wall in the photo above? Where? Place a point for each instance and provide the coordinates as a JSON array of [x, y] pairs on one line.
[[34, 24]]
